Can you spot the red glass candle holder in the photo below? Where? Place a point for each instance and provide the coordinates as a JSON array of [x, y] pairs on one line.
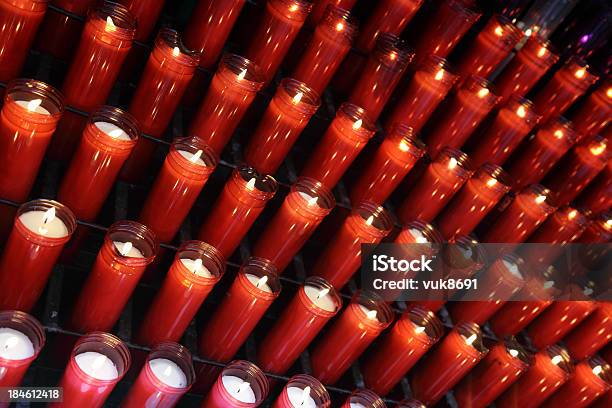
[[594, 113], [329, 44], [454, 357], [166, 376], [184, 173], [319, 7], [277, 28], [108, 138], [511, 125], [527, 67], [599, 230], [40, 231], [597, 196], [437, 185], [28, 119], [307, 203], [504, 363], [473, 201], [592, 334], [19, 20], [368, 223], [25, 339], [381, 74], [394, 158], [577, 169], [167, 74], [243, 198], [551, 368], [591, 379], [358, 326], [427, 88], [241, 384], [303, 390], [127, 250], [196, 269], [97, 363], [286, 116], [568, 84], [345, 137], [461, 115], [315, 303], [541, 152], [410, 338], [231, 92], [365, 398], [146, 14]]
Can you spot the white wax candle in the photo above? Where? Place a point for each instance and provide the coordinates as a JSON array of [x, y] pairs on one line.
[[195, 158], [309, 199], [300, 398], [418, 236], [14, 345], [33, 106], [168, 372], [239, 389], [44, 223], [195, 266], [512, 268], [256, 280], [112, 130], [97, 365], [127, 249], [371, 314], [321, 298]]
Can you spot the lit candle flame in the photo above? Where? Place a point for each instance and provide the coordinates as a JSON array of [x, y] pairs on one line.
[[393, 55], [242, 74], [323, 292], [521, 111], [558, 133], [540, 199], [176, 51], [491, 182], [609, 223], [262, 281], [470, 340], [371, 314], [48, 216], [126, 248], [115, 133], [298, 97], [483, 92], [110, 24], [33, 104], [439, 75], [599, 149], [196, 156], [339, 26], [357, 125], [251, 184], [197, 265], [556, 360], [609, 93], [513, 352], [419, 329], [597, 370], [293, 8], [403, 146], [580, 73], [370, 220], [499, 31], [452, 163], [421, 240], [305, 395], [542, 52], [572, 214], [312, 201], [99, 362]]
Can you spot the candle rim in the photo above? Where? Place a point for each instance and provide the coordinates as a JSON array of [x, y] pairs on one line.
[[388, 43], [569, 136], [402, 133], [515, 102], [479, 254], [261, 267], [211, 257], [474, 83], [318, 392], [354, 113], [104, 343], [52, 99], [367, 398], [535, 191], [422, 316], [247, 371], [289, 88], [331, 17], [511, 34], [123, 20], [534, 43], [303, 7], [372, 301], [434, 236], [468, 329], [492, 171], [142, 238], [253, 79], [118, 117], [176, 353], [29, 326], [192, 145], [433, 63], [569, 68], [314, 188], [170, 37], [265, 186], [463, 161], [61, 211], [320, 283], [381, 219]]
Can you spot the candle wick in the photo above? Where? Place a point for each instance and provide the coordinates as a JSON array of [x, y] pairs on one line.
[[33, 104], [197, 265], [419, 329], [262, 281], [322, 293], [298, 97], [251, 184], [243, 386], [196, 156], [11, 342], [126, 248], [305, 395]]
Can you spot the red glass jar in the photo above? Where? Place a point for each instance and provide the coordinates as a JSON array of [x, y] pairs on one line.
[[400, 348], [287, 115], [146, 14], [244, 378], [40, 231], [184, 173], [597, 196], [594, 113], [196, 269], [303, 390], [592, 334], [307, 203], [365, 398], [127, 250], [319, 7], [243, 198]]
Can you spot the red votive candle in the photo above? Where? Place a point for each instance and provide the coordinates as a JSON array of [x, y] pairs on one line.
[[505, 362], [592, 334], [287, 115], [381, 74], [97, 363], [303, 391], [243, 198], [577, 169], [490, 47], [209, 26], [231, 92], [526, 68], [597, 196], [169, 69], [474, 201], [568, 84], [329, 44], [363, 398], [427, 88], [146, 14], [278, 26], [464, 111], [345, 137], [358, 326], [241, 384], [440, 181], [19, 21], [22, 338], [40, 231], [310, 309], [394, 158], [401, 347], [254, 289], [319, 7], [594, 113], [307, 203], [127, 250], [511, 125], [541, 152], [452, 359], [185, 171], [197, 267], [166, 376], [550, 368], [108, 138], [29, 116], [368, 223], [591, 379]]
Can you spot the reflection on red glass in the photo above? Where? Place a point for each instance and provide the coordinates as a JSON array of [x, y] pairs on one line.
[[594, 113], [592, 334]]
